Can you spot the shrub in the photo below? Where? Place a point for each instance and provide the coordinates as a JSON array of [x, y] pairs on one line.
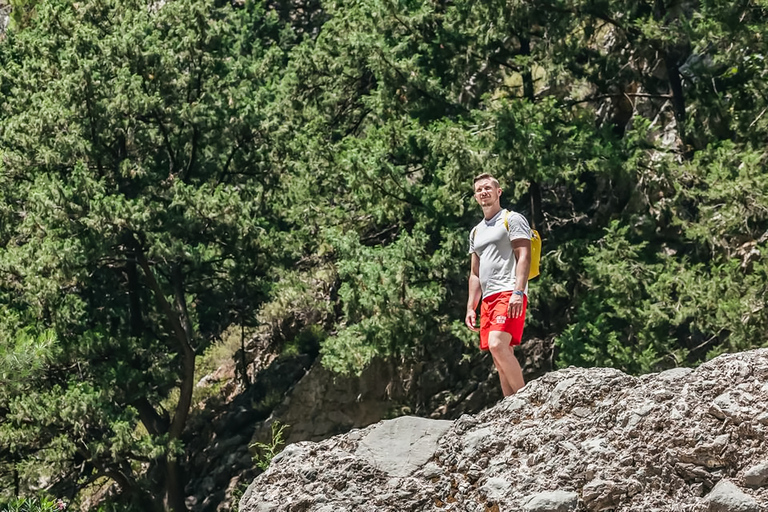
[[33, 505]]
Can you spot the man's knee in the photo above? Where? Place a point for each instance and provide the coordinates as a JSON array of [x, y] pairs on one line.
[[498, 340]]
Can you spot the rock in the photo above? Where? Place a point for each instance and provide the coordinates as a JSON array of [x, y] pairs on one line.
[[431, 471], [5, 16], [552, 501], [478, 440], [400, 446], [575, 439], [727, 497], [733, 405], [495, 488], [757, 476], [602, 494]]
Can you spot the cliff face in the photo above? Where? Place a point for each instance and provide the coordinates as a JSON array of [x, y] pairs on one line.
[[316, 405], [5, 17], [572, 440]]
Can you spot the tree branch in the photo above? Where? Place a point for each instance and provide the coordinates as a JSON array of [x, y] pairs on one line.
[[183, 333]]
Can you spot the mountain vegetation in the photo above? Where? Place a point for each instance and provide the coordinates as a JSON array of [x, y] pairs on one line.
[[169, 170]]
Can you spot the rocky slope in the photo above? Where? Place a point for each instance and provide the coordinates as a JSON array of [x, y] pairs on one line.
[[572, 440], [315, 405]]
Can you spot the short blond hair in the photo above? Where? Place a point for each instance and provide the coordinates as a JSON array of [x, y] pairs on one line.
[[486, 176]]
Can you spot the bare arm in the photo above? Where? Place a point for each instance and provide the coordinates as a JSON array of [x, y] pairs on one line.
[[522, 249], [475, 292]]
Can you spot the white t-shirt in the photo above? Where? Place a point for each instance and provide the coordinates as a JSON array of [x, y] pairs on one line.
[[492, 243]]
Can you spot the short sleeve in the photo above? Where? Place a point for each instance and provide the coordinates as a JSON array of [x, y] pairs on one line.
[[518, 227], [472, 241]]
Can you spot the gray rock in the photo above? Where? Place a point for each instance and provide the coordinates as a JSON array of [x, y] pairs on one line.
[[733, 405], [723, 407], [431, 471], [727, 497], [401, 446], [693, 428], [5, 17], [552, 501], [757, 476], [265, 507], [496, 488], [602, 494], [559, 394], [597, 446], [478, 440], [674, 374], [295, 451]]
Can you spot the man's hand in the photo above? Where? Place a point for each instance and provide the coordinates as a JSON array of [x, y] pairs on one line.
[[515, 308], [471, 319]]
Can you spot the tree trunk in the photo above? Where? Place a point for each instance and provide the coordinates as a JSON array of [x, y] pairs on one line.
[[678, 100], [174, 486], [525, 49], [181, 326], [243, 363], [122, 476], [156, 424], [187, 385]]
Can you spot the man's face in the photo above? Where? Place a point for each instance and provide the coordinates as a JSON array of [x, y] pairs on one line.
[[486, 192]]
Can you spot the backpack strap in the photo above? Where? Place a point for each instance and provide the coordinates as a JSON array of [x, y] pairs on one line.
[[534, 233]]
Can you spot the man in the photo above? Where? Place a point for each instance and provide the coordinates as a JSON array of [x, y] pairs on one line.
[[500, 248]]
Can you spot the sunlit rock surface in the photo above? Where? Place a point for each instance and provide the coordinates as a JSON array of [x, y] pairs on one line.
[[573, 440]]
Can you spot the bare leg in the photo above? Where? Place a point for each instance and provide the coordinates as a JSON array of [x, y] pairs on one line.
[[505, 387], [510, 373]]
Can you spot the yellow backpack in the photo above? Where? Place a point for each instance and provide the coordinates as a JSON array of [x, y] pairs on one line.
[[535, 247], [535, 254]]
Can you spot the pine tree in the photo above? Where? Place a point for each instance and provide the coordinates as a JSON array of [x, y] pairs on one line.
[[136, 190]]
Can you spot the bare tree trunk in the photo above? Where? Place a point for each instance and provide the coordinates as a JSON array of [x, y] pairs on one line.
[[174, 486], [186, 336]]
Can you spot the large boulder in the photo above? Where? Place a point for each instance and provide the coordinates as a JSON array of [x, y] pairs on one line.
[[573, 440]]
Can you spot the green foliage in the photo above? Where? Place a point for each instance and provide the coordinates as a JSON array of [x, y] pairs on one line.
[[220, 353], [381, 305], [22, 12], [306, 342], [299, 301], [43, 504], [169, 171], [267, 451], [134, 181], [237, 494], [621, 322], [115, 506]]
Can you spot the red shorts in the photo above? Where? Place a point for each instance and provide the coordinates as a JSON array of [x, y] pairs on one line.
[[493, 317]]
